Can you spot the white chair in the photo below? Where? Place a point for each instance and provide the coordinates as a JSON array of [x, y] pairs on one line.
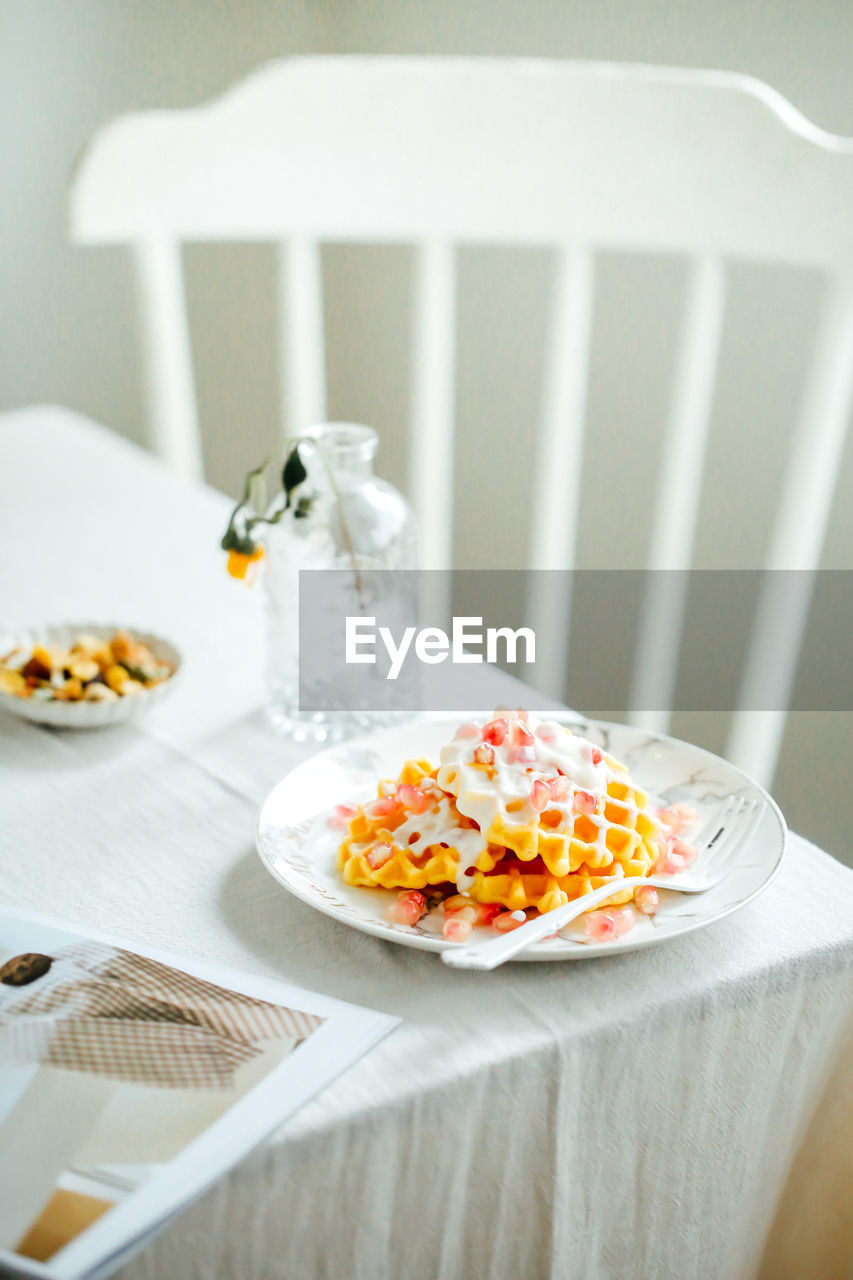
[[577, 156]]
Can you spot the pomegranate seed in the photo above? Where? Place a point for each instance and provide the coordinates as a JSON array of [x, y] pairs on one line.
[[381, 808], [677, 818], [461, 908], [506, 922], [342, 815], [468, 730], [408, 908], [601, 925], [669, 864], [676, 855], [484, 754], [456, 902], [559, 788], [412, 798], [596, 755], [547, 732], [584, 802], [540, 795], [682, 846], [380, 854], [520, 735], [684, 850], [495, 732], [647, 899], [625, 920], [487, 911], [468, 913], [456, 929]]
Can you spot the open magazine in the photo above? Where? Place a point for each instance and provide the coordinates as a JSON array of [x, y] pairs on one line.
[[131, 1079]]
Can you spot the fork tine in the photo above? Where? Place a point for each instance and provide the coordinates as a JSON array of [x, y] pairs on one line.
[[722, 839], [712, 826], [748, 830], [737, 839]]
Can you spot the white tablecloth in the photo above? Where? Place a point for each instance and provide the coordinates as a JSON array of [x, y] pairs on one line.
[[628, 1117]]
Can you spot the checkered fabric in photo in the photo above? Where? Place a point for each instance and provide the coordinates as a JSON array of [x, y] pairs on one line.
[[125, 1016]]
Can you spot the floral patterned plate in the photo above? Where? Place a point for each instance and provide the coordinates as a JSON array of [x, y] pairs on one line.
[[298, 846]]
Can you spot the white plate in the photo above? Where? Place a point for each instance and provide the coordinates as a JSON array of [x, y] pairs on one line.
[[298, 846], [84, 714]]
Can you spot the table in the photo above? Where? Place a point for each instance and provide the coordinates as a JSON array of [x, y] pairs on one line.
[[637, 1116]]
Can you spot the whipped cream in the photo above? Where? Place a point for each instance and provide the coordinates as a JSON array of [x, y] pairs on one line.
[[438, 825], [506, 794]]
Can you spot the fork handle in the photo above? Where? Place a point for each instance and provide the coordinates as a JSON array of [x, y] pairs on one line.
[[488, 955]]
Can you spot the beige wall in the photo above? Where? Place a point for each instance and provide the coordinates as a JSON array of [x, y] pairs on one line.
[[68, 328]]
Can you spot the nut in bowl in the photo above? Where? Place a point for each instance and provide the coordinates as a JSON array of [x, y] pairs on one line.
[[84, 675]]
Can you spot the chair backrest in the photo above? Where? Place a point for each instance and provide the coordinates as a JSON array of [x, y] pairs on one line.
[[577, 156]]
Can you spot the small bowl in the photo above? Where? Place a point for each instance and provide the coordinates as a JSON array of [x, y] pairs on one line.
[[87, 714]]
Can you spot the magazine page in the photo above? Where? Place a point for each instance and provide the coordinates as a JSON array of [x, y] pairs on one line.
[[131, 1079]]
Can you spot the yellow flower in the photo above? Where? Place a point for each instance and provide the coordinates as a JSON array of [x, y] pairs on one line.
[[245, 566]]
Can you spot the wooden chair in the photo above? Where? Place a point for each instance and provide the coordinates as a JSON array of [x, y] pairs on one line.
[[577, 156]]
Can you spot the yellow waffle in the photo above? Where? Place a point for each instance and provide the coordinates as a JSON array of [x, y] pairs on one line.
[[433, 865], [573, 852], [622, 828], [517, 888], [401, 871]]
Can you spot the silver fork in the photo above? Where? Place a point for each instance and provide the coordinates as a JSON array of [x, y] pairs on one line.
[[721, 841]]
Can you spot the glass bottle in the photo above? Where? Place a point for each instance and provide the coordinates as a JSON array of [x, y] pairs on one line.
[[343, 516]]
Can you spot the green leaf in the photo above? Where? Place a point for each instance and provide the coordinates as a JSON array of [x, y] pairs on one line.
[[293, 473]]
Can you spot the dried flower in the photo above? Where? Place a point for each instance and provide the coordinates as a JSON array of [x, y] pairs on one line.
[[242, 537]]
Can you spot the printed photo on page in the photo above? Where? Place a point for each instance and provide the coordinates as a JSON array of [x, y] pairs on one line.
[[131, 1080]]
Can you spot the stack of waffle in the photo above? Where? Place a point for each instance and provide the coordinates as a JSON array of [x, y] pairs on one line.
[[517, 814]]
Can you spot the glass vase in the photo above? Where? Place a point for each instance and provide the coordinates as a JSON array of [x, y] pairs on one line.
[[343, 517]]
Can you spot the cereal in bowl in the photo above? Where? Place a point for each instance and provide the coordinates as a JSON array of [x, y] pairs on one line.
[[91, 670]]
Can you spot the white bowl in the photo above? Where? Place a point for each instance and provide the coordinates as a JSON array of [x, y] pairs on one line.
[[85, 714]]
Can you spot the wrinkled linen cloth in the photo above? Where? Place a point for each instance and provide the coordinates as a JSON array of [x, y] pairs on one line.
[[636, 1116]]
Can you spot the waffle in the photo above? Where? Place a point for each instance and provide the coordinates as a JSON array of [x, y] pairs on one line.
[[434, 863], [618, 829], [516, 886], [473, 823]]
